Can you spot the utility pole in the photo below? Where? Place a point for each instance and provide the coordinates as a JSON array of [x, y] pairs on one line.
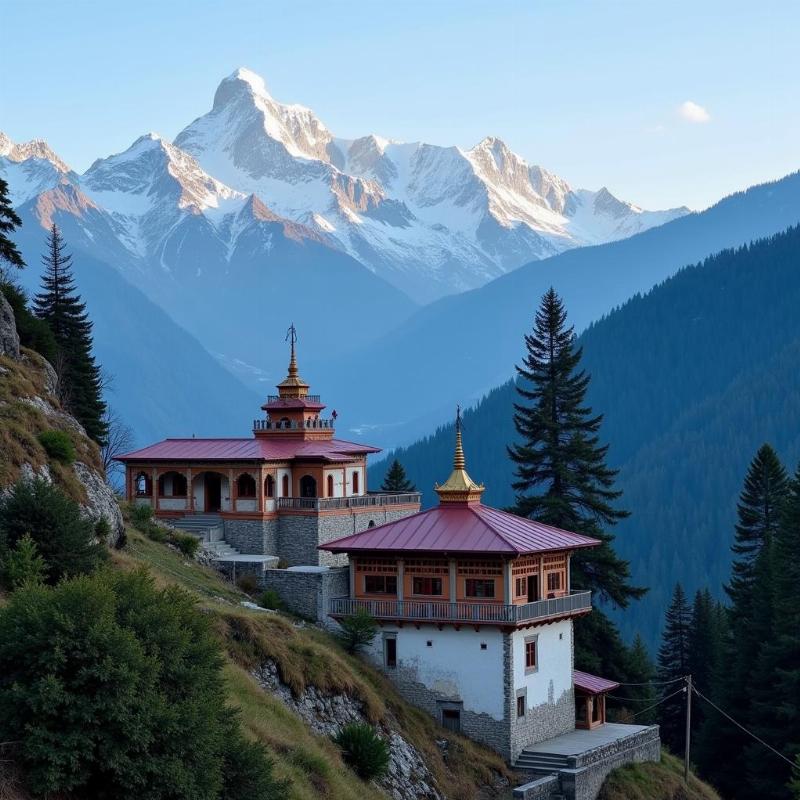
[[688, 728]]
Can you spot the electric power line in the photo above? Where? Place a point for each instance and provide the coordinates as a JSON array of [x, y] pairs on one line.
[[655, 683], [739, 725], [662, 700]]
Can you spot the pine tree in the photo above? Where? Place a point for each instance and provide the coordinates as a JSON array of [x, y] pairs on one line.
[[674, 658], [705, 648], [396, 480], [562, 476], [774, 712], [61, 307], [641, 670], [764, 493], [766, 486], [9, 222]]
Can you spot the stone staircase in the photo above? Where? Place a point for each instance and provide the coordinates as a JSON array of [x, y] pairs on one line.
[[207, 527], [221, 550], [540, 763]]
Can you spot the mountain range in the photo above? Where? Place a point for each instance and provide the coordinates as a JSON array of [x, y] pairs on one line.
[[257, 215], [691, 379]]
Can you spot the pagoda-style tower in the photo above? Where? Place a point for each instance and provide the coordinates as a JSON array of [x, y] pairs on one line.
[[293, 412]]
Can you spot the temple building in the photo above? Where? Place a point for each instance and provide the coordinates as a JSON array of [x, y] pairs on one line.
[[476, 611], [280, 492]]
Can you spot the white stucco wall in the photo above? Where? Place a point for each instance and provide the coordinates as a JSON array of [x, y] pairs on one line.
[[279, 482], [246, 504], [554, 672], [454, 665], [350, 472], [338, 480], [198, 490], [172, 503]]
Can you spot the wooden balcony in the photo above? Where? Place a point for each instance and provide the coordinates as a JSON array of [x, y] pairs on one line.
[[415, 611], [357, 501]]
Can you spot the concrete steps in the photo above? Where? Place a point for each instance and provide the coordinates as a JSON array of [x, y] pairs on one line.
[[542, 763], [207, 527], [221, 550]]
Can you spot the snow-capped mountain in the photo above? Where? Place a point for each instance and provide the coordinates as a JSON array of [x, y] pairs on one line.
[[432, 220]]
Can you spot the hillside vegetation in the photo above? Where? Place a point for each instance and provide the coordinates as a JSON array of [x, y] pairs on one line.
[[692, 378], [663, 781]]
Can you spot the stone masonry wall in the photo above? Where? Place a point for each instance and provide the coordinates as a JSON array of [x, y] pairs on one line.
[[586, 772], [255, 536], [307, 593], [480, 727]]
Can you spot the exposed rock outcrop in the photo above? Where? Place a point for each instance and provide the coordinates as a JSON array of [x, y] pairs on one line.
[[100, 500], [408, 778], [9, 339]]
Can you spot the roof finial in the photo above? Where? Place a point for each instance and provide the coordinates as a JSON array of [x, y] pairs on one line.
[[291, 336], [459, 487], [459, 462]]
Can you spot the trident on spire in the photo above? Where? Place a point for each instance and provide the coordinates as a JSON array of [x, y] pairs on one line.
[[291, 336]]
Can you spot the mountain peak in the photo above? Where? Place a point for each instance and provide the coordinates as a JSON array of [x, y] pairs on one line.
[[35, 148], [243, 82]]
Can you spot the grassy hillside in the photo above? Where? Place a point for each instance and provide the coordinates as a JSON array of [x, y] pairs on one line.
[[662, 781], [307, 656]]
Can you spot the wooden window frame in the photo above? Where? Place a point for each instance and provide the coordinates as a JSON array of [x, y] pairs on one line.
[[531, 646], [472, 583], [377, 578], [431, 579]]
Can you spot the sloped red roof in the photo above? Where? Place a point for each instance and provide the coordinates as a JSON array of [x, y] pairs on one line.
[[253, 449], [464, 528], [592, 684]]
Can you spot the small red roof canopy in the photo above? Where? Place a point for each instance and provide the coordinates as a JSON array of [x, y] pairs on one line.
[[464, 528], [592, 684], [254, 449]]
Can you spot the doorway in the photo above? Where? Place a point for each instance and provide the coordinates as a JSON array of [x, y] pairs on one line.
[[213, 491], [390, 652], [451, 719], [533, 588]]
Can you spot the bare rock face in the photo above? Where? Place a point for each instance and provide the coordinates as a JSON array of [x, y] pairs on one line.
[[102, 502], [408, 777], [9, 339]]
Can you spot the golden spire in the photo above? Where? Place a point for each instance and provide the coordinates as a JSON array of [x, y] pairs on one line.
[[459, 487], [292, 385]]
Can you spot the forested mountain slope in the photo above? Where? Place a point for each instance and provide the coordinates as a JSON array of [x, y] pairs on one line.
[[460, 347], [692, 378]]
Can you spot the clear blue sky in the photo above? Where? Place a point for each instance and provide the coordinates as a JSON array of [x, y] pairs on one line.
[[589, 90]]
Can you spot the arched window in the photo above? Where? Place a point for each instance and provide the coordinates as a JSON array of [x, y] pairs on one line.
[[330, 485], [371, 523], [308, 486], [355, 483], [245, 485], [285, 486], [172, 484], [269, 486], [143, 485]]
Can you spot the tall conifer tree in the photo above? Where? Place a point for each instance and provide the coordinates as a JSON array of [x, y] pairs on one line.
[[61, 307], [396, 479], [674, 659], [9, 222], [774, 712], [562, 475]]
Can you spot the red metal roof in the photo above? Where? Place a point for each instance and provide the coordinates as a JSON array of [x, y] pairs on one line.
[[254, 449], [464, 528], [592, 684]]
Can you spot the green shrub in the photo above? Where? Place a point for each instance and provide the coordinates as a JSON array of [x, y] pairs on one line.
[[155, 532], [358, 630], [248, 583], [58, 445], [363, 750], [64, 537], [141, 516], [23, 565], [114, 689], [186, 543], [271, 599]]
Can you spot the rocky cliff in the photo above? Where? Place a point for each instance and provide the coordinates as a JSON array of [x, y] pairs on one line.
[[28, 408]]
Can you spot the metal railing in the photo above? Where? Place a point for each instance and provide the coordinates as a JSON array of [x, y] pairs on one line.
[[291, 425], [437, 610], [357, 501]]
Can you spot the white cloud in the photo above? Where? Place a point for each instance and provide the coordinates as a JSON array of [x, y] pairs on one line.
[[692, 112]]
